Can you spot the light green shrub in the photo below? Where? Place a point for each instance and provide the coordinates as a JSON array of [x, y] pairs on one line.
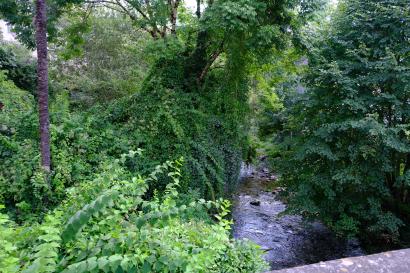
[[114, 229]]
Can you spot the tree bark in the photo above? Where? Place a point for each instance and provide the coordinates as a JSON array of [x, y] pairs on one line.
[[198, 8], [42, 85], [214, 56], [173, 5]]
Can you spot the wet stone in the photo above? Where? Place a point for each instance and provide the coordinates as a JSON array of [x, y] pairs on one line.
[[255, 203]]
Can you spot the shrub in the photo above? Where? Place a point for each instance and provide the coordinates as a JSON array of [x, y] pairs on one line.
[[80, 142], [19, 65], [349, 161], [119, 231]]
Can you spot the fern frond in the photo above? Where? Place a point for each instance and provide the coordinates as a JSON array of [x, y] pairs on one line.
[[103, 264], [154, 216], [47, 252], [9, 263], [81, 218]]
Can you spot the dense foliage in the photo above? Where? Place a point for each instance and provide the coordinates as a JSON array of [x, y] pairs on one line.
[[19, 65], [23, 188], [107, 61], [136, 83], [347, 160], [106, 226], [189, 105]]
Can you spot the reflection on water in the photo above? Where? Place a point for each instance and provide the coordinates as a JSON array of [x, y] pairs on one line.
[[288, 241]]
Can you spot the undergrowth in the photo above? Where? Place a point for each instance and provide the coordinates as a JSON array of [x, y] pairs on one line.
[[107, 226]]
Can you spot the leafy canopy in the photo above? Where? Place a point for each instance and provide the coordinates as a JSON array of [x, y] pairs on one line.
[[347, 162]]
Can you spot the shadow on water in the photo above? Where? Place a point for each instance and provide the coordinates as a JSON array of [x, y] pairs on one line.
[[288, 241]]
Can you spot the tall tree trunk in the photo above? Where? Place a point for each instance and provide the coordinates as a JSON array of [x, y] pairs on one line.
[[173, 6], [42, 86], [198, 8]]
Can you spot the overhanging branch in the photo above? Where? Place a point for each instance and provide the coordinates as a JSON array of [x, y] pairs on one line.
[[213, 58]]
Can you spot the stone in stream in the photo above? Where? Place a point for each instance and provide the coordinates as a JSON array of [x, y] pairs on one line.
[[255, 203], [278, 190]]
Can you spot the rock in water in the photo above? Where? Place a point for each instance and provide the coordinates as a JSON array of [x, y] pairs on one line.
[[255, 203]]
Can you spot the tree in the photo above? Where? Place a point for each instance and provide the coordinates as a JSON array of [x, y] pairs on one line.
[[20, 14], [196, 91], [108, 61], [42, 83], [158, 18], [349, 159], [20, 65]]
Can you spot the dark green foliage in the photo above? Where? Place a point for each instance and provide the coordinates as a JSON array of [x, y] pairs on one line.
[[80, 219], [15, 114], [20, 67], [99, 58], [347, 163], [169, 121], [20, 14], [129, 235], [80, 144]]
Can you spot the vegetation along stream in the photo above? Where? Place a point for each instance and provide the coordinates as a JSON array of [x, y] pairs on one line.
[[288, 241], [124, 124]]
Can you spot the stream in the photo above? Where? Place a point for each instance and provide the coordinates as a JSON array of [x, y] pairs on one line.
[[288, 241]]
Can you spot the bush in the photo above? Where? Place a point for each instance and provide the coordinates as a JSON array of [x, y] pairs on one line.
[[349, 163], [114, 230], [19, 64], [80, 142]]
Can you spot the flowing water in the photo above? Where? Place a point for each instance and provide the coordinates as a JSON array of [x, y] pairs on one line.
[[288, 241]]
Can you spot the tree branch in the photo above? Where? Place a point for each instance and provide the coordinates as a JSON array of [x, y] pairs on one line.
[[214, 56], [99, 2], [113, 8], [127, 11], [138, 9]]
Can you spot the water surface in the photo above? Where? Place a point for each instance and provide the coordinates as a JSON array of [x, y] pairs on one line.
[[288, 241]]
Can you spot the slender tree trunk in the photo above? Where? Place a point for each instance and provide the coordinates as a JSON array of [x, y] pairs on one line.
[[42, 85], [173, 15], [198, 8]]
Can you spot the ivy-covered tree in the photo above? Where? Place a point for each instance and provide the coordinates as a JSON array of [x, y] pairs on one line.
[[349, 158]]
